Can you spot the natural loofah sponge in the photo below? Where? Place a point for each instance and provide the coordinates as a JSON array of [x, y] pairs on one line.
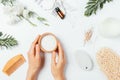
[[109, 63]]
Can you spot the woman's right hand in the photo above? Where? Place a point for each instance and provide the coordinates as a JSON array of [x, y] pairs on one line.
[[57, 68]]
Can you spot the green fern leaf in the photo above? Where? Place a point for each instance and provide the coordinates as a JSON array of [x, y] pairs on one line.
[[94, 5], [7, 41]]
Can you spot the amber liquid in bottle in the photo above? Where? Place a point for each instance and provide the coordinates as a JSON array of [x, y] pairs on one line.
[[60, 13]]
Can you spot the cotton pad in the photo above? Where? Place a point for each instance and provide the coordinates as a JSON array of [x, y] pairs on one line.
[[84, 60], [110, 28], [48, 42]]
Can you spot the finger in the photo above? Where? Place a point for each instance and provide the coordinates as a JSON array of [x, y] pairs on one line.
[[39, 40], [60, 51], [37, 51], [32, 49], [36, 40], [53, 58]]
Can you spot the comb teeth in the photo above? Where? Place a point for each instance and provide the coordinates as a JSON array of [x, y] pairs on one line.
[[13, 64]]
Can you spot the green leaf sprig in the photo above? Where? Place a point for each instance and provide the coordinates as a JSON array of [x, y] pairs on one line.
[[32, 14], [94, 5], [41, 19], [7, 41]]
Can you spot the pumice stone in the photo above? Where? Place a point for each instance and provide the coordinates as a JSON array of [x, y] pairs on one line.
[[84, 60]]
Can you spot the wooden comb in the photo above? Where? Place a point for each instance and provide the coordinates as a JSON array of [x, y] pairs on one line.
[[13, 64]]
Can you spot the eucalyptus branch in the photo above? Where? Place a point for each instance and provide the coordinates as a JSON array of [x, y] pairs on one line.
[[30, 22], [22, 17], [43, 20]]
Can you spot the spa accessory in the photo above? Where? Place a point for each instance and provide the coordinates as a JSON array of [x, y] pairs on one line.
[[59, 9], [109, 63], [60, 13], [54, 6], [13, 64], [84, 60], [110, 28], [48, 42]]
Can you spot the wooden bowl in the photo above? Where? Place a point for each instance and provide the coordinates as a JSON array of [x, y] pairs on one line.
[[40, 42]]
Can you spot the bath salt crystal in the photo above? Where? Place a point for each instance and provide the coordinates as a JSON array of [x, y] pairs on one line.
[[48, 43]]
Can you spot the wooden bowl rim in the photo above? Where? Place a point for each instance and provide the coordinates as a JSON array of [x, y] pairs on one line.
[[43, 35]]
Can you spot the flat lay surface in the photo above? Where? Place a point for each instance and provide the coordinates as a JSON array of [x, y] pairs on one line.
[[70, 31]]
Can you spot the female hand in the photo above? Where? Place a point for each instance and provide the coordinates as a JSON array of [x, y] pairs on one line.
[[35, 60], [58, 68]]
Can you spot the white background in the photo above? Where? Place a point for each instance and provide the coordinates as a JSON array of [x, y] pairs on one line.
[[70, 31]]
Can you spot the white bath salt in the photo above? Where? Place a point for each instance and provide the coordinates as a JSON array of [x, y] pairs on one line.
[[48, 43], [110, 28]]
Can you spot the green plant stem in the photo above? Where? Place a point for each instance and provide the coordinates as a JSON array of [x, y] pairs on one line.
[[30, 22], [42, 20], [22, 17]]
